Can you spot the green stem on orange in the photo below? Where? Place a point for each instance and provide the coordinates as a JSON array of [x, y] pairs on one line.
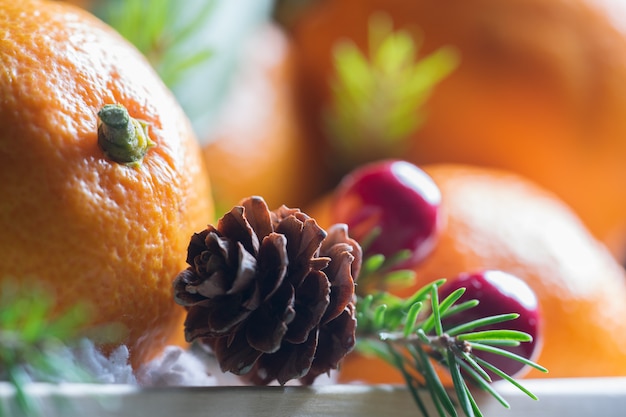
[[122, 138]]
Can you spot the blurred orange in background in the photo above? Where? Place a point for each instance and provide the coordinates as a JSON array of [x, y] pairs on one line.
[[540, 89], [258, 145]]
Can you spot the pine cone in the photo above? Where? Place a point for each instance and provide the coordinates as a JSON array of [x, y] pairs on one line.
[[271, 293]]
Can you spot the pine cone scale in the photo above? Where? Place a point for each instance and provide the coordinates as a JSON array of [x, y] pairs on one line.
[[293, 361], [234, 226], [312, 300], [244, 275], [196, 245], [234, 355], [224, 314], [267, 325], [303, 240], [272, 264], [258, 217], [336, 339]]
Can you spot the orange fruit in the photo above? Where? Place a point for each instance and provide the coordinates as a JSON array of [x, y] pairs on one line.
[[95, 231], [539, 90], [258, 145], [495, 219]]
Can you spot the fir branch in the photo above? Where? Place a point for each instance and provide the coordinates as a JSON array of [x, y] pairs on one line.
[[411, 337], [33, 340]]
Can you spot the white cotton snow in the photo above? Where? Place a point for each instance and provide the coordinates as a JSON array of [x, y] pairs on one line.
[[175, 367]]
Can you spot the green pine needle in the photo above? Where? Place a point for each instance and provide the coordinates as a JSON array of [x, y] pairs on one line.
[[507, 377], [377, 269], [436, 314], [468, 360], [411, 318], [372, 264], [484, 383], [486, 321], [507, 354], [463, 395], [422, 294], [459, 308], [475, 408], [495, 335], [379, 315], [434, 321], [395, 358], [433, 382]]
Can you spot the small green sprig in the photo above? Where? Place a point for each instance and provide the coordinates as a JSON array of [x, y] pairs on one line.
[[378, 95], [33, 341], [380, 272], [408, 333]]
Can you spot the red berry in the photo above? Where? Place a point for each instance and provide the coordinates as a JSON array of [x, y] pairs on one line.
[[499, 293], [398, 198]]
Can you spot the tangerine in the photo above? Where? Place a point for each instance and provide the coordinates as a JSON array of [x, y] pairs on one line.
[[495, 219], [97, 232]]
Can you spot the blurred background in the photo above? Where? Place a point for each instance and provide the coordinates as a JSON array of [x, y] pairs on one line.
[[287, 96]]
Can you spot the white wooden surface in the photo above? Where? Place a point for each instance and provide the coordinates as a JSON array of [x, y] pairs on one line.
[[557, 397]]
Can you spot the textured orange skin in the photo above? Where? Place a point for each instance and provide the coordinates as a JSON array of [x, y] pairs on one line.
[[96, 231], [498, 220], [539, 90]]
